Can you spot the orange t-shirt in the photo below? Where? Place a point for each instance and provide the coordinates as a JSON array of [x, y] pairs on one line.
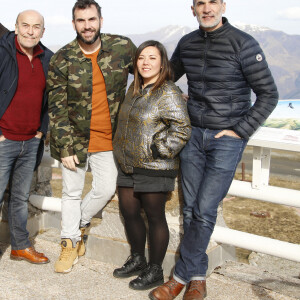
[[100, 129]]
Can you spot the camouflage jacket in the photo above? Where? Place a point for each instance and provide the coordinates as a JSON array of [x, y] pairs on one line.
[[152, 129], [69, 85]]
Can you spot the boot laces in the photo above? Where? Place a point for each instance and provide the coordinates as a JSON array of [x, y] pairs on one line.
[[65, 253], [34, 252], [145, 273], [129, 261], [129, 258], [194, 285], [171, 284]]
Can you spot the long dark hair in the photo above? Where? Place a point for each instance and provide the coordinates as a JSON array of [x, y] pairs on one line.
[[165, 73]]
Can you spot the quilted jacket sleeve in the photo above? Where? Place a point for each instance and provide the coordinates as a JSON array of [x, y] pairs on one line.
[[177, 66], [259, 77]]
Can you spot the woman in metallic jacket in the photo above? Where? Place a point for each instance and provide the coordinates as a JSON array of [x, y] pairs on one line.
[[153, 126]]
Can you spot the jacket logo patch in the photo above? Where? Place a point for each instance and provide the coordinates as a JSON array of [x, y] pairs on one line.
[[259, 57]]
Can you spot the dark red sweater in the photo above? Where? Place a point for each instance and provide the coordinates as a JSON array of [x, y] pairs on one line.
[[21, 120]]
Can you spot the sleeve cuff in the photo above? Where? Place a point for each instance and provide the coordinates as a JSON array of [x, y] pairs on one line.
[[66, 152]]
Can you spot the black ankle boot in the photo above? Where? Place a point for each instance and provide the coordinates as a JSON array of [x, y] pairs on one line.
[[151, 277], [133, 266]]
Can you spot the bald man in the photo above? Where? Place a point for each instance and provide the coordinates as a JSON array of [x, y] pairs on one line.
[[23, 123]]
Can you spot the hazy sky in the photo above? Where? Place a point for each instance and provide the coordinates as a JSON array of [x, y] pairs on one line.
[[141, 16]]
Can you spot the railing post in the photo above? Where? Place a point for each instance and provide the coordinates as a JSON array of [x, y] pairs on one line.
[[261, 167]]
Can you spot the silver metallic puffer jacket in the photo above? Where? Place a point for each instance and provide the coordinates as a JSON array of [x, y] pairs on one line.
[[153, 121]]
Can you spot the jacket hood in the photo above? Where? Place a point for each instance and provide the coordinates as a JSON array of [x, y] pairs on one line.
[[7, 40]]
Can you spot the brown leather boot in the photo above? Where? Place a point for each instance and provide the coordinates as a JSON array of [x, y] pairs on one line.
[[196, 290], [168, 291], [29, 254]]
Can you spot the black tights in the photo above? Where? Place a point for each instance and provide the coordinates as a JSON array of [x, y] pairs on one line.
[[154, 206]]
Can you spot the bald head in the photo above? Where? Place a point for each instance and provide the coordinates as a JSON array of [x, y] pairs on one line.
[[30, 14], [29, 30]]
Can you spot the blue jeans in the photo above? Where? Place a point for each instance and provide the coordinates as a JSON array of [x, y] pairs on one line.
[[17, 162], [207, 169]]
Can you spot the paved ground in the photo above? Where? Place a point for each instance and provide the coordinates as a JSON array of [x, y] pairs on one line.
[[91, 279]]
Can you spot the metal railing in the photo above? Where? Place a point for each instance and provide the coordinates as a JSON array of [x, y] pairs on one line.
[[263, 141]]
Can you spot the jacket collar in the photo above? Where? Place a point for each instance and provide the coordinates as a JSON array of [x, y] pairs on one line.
[[216, 32], [147, 88], [79, 54]]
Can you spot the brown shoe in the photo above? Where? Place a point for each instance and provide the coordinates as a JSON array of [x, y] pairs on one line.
[[30, 255], [196, 290], [168, 291]]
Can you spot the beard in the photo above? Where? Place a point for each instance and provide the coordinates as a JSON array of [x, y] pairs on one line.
[[212, 25], [88, 42]]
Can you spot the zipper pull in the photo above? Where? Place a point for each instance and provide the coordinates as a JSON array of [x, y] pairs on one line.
[[205, 34]]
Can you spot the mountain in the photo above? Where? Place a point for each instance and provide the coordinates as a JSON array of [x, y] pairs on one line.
[[282, 51], [283, 55], [164, 35]]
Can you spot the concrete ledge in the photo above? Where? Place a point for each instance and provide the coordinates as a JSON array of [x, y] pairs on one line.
[[107, 240], [35, 224], [115, 252]]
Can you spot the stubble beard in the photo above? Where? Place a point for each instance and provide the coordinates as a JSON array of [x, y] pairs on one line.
[[218, 19], [88, 42]]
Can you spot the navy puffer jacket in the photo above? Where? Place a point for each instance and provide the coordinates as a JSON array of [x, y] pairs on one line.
[[221, 68]]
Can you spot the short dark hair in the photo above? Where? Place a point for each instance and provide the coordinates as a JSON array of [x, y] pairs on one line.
[[195, 0], [83, 4], [166, 72]]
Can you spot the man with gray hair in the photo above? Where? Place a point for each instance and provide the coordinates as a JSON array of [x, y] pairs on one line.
[[222, 64], [23, 123]]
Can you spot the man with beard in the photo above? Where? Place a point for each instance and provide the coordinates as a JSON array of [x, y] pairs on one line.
[[222, 65], [86, 82]]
